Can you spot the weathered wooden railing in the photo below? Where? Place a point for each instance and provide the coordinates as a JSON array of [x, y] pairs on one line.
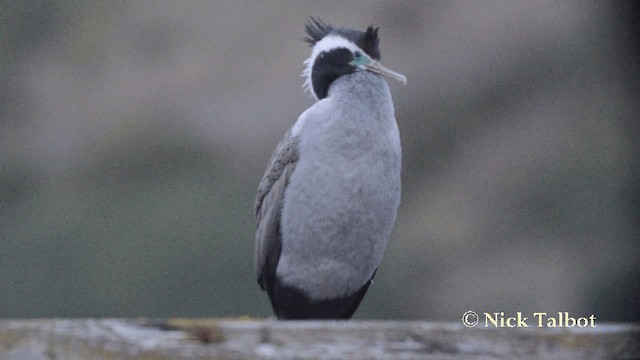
[[41, 339]]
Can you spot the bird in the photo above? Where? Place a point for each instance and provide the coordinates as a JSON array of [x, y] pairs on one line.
[[327, 203]]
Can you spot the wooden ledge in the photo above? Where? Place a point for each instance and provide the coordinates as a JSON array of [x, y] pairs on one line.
[[243, 338]]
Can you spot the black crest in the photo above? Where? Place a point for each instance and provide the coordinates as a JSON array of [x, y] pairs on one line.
[[316, 29], [367, 40], [370, 42]]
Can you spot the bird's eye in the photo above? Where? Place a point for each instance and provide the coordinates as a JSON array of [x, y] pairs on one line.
[[357, 54]]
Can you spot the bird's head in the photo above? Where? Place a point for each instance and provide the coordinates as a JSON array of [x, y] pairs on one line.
[[340, 51]]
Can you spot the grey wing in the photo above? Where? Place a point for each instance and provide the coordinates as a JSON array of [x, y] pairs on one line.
[[268, 208]]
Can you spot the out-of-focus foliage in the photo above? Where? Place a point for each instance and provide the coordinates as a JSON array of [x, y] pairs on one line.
[[133, 136]]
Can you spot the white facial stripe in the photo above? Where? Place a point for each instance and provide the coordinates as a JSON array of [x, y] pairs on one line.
[[333, 42], [327, 43]]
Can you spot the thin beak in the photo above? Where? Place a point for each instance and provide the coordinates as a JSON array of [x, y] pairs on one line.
[[379, 69]]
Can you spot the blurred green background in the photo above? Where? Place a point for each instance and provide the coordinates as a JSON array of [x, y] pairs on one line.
[[133, 136]]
